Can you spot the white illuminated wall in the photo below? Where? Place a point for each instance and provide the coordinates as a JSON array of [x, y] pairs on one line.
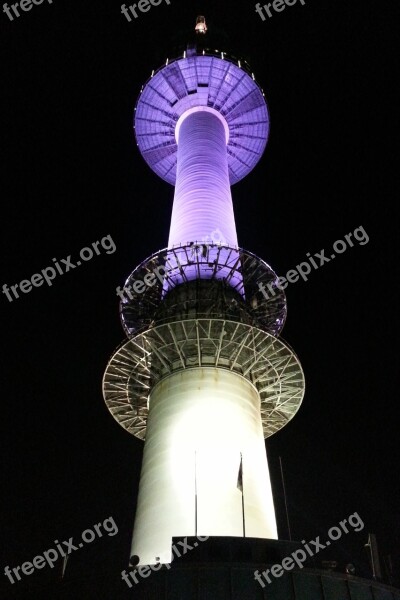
[[200, 422]]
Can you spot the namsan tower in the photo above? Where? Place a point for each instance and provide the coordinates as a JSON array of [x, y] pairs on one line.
[[204, 376]]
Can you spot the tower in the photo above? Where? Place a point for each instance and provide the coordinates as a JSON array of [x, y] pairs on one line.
[[204, 376]]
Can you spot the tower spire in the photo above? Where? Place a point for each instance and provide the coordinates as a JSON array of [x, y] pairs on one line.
[[201, 27]]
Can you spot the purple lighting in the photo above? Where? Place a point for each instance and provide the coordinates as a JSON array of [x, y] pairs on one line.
[[203, 201], [202, 80], [202, 124]]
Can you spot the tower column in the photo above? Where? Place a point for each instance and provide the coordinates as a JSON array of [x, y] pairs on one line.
[[202, 200]]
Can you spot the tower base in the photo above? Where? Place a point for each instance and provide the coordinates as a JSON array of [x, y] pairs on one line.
[[224, 569]]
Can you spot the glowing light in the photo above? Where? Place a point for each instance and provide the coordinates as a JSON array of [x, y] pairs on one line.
[[201, 421], [203, 200], [201, 26]]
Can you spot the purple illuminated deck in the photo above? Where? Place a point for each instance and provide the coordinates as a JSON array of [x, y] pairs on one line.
[[201, 80]]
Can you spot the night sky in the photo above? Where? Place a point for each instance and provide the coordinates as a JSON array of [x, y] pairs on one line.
[[72, 174]]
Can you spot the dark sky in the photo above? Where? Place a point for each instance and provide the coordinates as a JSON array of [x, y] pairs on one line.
[[71, 173]]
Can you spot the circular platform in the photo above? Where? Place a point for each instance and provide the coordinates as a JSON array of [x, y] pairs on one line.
[[210, 79], [238, 268], [141, 362]]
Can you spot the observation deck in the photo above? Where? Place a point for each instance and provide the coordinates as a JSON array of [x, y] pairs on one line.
[[202, 78]]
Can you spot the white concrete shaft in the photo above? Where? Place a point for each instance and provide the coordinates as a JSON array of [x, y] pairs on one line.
[[201, 421]]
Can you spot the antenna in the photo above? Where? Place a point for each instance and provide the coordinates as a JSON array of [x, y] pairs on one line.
[[374, 556], [284, 495], [195, 494], [64, 566]]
